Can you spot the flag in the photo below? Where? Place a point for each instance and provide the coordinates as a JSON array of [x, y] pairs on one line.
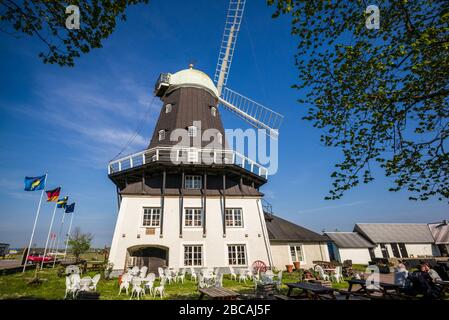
[[52, 195], [70, 208], [62, 202], [35, 183]]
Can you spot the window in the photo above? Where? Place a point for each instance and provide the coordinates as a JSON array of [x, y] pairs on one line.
[[237, 255], [193, 217], [151, 217], [234, 217], [168, 107], [220, 138], [161, 135], [213, 111], [193, 182], [193, 255], [296, 253], [192, 130]]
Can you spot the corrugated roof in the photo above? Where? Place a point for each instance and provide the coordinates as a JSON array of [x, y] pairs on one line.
[[440, 232], [283, 230], [349, 240], [395, 232]]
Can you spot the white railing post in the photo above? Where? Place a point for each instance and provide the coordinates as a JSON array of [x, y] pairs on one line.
[[252, 167], [109, 169], [119, 166], [143, 158], [130, 162], [157, 154]]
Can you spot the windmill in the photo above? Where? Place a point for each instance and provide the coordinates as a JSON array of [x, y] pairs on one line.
[[247, 109], [175, 193]]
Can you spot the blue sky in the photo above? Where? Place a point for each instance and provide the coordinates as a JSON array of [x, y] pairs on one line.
[[70, 122]]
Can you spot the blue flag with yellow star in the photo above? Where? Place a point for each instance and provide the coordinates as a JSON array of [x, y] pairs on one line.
[[35, 183], [62, 202]]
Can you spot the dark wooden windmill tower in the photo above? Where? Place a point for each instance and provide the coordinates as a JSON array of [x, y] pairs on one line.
[[188, 200]]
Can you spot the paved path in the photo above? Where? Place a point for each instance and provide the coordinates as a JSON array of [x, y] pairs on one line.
[[8, 263]]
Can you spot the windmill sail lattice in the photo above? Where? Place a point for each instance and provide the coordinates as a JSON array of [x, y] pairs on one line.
[[232, 27], [252, 112]]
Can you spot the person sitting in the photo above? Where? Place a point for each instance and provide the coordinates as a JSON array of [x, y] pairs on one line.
[[400, 275], [421, 282], [432, 273]]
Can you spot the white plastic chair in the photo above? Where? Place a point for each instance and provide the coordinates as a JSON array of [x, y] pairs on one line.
[[160, 271], [149, 285], [72, 269], [243, 276], [75, 279], [233, 275], [135, 271], [219, 280], [321, 272], [95, 281], [338, 273], [181, 276], [126, 280], [70, 288], [137, 289], [143, 272], [193, 275], [160, 289], [151, 277]]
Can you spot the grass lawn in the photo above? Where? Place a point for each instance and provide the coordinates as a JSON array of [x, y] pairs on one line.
[[15, 286]]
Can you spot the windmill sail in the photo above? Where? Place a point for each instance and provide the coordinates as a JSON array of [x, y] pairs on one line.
[[232, 27], [252, 112]]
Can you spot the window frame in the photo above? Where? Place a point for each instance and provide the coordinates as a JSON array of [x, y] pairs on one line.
[[301, 249], [168, 108], [161, 135], [235, 252], [233, 219], [192, 187], [192, 219], [151, 218], [192, 258]]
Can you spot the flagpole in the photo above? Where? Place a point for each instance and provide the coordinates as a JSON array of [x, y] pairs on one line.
[[68, 235], [57, 239], [34, 226], [48, 236]]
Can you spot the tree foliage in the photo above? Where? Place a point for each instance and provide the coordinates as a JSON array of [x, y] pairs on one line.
[[381, 96], [46, 20], [79, 242]]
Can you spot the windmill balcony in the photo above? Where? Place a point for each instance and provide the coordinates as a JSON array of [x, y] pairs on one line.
[[181, 155]]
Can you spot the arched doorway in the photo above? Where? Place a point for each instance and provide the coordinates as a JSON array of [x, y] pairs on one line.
[[151, 256]]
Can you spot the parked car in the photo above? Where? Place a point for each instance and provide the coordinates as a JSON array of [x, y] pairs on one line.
[[4, 247], [34, 258]]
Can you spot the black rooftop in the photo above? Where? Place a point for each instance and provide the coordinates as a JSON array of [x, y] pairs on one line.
[[282, 230]]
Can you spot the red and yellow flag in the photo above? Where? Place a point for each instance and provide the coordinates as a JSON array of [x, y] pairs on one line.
[[53, 195]]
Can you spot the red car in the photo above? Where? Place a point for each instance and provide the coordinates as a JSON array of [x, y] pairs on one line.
[[38, 259]]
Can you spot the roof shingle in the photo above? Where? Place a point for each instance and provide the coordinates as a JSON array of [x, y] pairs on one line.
[[349, 240], [283, 230], [395, 232]]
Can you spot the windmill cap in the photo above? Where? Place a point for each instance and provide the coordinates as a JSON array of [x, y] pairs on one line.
[[192, 78]]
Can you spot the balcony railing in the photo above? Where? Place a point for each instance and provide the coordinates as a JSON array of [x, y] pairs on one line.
[[182, 155]]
